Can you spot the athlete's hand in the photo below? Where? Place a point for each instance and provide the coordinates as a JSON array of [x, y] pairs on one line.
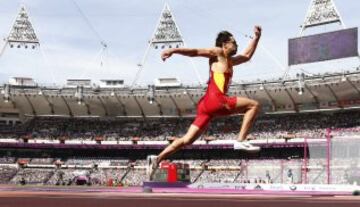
[[257, 31], [166, 54]]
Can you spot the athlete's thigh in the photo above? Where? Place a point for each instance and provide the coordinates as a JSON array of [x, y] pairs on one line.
[[243, 104], [193, 133]]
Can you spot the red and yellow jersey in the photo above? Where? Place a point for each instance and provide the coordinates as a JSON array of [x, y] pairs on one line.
[[219, 81], [215, 102]]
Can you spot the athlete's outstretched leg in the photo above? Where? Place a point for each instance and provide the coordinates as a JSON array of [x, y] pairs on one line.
[[192, 134], [153, 161], [250, 108]]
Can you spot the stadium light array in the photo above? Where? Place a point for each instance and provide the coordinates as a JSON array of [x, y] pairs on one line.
[[343, 78], [26, 46], [7, 99], [301, 91], [151, 94], [22, 33]]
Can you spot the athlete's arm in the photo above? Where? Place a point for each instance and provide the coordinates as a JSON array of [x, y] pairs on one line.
[[191, 52], [250, 50]]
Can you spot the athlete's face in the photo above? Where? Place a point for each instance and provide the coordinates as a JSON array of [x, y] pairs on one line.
[[231, 46]]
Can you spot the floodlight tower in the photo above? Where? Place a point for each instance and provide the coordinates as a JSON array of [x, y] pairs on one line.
[[166, 35], [22, 33], [320, 12]]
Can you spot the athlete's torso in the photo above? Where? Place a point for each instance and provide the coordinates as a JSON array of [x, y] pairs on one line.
[[215, 102], [215, 98], [221, 72]]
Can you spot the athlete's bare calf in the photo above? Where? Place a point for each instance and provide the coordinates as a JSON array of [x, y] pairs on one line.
[[250, 108], [191, 135]]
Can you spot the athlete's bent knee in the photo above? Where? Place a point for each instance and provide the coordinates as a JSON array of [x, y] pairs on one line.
[[256, 105]]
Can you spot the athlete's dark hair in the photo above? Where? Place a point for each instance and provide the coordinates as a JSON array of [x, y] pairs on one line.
[[222, 37]]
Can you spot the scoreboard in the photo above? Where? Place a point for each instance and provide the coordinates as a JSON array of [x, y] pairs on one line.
[[172, 172], [324, 46]]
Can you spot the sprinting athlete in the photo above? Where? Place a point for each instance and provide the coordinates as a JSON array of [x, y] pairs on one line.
[[215, 102]]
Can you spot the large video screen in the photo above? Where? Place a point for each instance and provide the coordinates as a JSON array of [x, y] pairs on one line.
[[324, 46]]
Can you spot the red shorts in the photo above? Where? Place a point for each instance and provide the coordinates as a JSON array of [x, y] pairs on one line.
[[213, 105]]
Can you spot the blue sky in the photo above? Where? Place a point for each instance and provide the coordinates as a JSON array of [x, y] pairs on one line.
[[70, 44]]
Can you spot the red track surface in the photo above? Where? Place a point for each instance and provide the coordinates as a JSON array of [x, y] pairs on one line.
[[79, 197]]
